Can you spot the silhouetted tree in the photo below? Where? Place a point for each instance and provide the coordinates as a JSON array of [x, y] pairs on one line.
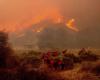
[[3, 39], [8, 62], [4, 48]]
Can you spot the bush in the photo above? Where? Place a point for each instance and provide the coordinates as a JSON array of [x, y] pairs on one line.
[[96, 68], [68, 62], [88, 56]]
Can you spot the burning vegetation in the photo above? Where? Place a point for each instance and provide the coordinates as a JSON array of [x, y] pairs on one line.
[[42, 35], [53, 15]]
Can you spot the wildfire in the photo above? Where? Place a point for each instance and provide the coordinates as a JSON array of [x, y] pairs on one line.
[[52, 15], [39, 29], [70, 25], [55, 17]]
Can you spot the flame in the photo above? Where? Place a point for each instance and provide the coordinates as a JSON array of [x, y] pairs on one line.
[[52, 15], [38, 30], [70, 25]]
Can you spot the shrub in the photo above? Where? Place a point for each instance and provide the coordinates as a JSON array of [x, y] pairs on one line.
[[88, 56]]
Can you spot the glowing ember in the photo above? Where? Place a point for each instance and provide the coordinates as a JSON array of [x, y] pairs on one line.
[[38, 30]]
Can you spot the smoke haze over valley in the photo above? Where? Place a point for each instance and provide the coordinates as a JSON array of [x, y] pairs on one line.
[[42, 23]]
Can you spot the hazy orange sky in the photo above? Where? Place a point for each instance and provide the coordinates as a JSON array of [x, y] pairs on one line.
[[23, 13]]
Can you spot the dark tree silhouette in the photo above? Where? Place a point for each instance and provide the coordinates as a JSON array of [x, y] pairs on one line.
[[3, 39], [4, 49], [6, 58], [8, 62]]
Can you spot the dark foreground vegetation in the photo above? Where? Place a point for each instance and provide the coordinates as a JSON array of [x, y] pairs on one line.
[[54, 65]]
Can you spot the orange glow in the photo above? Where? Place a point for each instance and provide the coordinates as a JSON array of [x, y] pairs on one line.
[[70, 25], [38, 30], [53, 15]]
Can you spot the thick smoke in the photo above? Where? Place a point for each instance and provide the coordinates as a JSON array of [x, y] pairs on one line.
[[56, 37], [23, 16]]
